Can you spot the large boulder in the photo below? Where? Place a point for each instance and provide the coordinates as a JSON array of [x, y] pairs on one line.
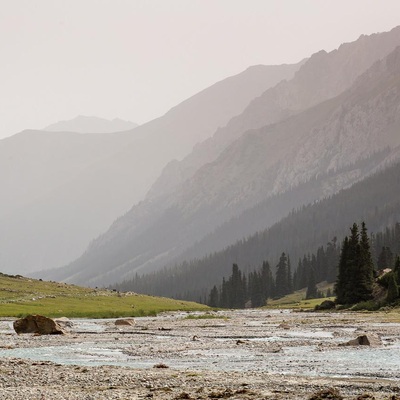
[[370, 339], [37, 324]]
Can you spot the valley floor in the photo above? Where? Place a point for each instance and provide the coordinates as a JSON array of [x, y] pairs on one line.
[[249, 354]]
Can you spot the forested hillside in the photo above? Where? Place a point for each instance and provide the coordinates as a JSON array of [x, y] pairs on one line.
[[375, 200]]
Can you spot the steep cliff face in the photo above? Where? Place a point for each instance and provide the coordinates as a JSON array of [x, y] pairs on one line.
[[357, 124]]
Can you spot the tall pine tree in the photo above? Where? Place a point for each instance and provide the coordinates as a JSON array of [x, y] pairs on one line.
[[282, 285], [356, 269]]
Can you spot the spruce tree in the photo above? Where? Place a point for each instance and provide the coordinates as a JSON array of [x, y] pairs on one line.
[[356, 269], [332, 260], [393, 289], [289, 277], [397, 270], [255, 289], [281, 279], [213, 300], [223, 299], [365, 267], [267, 280], [312, 290], [342, 282], [237, 290], [385, 258]]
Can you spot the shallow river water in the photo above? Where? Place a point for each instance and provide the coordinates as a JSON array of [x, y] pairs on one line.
[[276, 342]]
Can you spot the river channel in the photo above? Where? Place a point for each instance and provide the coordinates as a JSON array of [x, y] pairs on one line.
[[278, 342]]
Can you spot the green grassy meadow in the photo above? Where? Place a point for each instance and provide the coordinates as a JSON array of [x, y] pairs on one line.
[[20, 296], [297, 300]]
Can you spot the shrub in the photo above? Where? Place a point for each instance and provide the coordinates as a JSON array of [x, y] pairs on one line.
[[369, 305], [325, 305]]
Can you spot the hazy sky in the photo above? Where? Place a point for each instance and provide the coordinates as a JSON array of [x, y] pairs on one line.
[[135, 59]]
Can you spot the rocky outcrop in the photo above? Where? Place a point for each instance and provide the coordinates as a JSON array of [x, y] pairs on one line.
[[37, 324], [369, 339]]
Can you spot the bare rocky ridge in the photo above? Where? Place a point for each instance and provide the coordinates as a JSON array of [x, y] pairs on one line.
[[248, 354], [321, 77]]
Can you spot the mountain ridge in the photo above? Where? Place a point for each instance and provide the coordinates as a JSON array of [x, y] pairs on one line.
[[285, 99], [61, 216], [262, 162], [91, 124]]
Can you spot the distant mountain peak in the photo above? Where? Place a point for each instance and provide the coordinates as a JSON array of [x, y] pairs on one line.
[[91, 124]]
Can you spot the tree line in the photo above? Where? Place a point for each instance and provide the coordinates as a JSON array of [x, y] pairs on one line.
[[350, 266], [252, 289], [375, 200]]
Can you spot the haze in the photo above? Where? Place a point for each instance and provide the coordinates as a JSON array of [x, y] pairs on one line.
[[137, 59]]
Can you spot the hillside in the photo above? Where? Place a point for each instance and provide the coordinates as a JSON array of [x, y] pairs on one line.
[[331, 138], [60, 190], [375, 200], [21, 296]]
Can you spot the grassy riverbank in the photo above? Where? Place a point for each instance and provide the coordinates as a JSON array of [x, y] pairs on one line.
[[21, 296]]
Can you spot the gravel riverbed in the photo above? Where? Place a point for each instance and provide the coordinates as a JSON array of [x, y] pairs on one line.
[[249, 354]]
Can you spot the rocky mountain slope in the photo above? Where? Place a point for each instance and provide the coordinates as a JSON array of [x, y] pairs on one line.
[[324, 139], [60, 190], [85, 124], [321, 77]]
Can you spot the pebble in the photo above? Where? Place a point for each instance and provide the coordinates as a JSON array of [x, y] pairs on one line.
[[25, 379]]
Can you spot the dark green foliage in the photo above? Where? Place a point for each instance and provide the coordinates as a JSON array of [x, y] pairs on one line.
[[385, 258], [356, 274], [365, 279], [312, 291], [393, 289], [341, 287], [241, 289], [213, 299], [326, 305], [233, 291], [397, 270], [369, 305], [283, 277]]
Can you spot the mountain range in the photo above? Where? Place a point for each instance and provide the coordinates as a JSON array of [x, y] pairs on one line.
[[85, 124], [337, 118], [62, 189]]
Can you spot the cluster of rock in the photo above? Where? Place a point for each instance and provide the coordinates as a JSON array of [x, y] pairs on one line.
[[41, 325]]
